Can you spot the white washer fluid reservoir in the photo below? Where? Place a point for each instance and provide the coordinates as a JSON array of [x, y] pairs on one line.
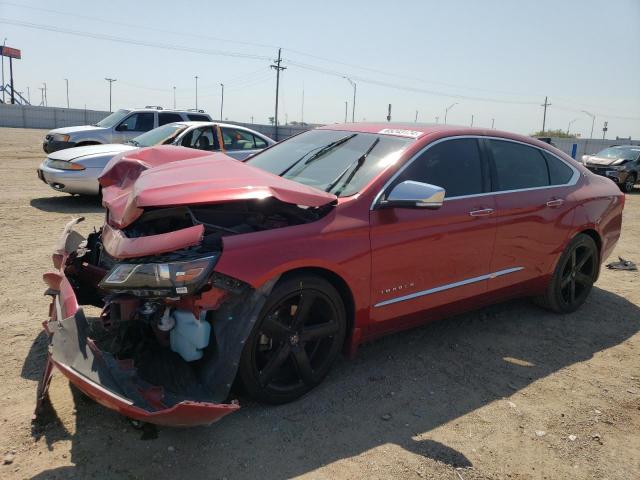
[[190, 335]]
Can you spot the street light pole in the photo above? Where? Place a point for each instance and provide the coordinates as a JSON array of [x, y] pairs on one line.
[[493, 121], [593, 121], [196, 77], [437, 118], [222, 100], [447, 111], [110, 80], [569, 126], [345, 111], [174, 97], [67, 81], [353, 105], [415, 120]]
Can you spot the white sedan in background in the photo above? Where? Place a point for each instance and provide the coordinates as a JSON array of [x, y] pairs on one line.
[[76, 170]]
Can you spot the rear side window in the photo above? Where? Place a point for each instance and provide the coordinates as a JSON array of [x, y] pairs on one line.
[[454, 165], [164, 118], [518, 166], [559, 172], [195, 117]]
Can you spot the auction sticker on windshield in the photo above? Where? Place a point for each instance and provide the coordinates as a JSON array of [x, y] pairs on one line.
[[400, 132]]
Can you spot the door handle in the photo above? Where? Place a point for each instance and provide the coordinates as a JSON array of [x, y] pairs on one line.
[[556, 202], [484, 212]]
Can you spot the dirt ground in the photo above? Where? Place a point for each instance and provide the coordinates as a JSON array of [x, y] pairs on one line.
[[507, 392]]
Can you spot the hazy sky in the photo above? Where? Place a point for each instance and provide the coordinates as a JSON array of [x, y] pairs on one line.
[[496, 59]]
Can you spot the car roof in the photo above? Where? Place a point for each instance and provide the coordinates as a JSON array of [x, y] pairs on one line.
[[197, 123], [421, 131]]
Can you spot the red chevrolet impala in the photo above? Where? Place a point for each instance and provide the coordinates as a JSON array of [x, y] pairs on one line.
[[213, 272]]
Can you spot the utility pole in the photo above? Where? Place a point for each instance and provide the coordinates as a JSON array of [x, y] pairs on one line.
[[3, 45], [29, 94], [447, 111], [302, 107], [353, 105], [174, 97], [389, 114], [493, 122], [251, 119], [472, 119], [196, 77], [46, 100], [416, 119], [67, 81], [544, 116], [110, 80], [42, 96], [437, 118], [604, 129], [345, 111], [222, 100], [278, 68]]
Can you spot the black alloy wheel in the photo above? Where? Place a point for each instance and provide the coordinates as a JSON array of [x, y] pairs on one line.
[[574, 276], [297, 338]]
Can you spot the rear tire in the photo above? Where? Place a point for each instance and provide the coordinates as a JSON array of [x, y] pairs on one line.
[[296, 340], [573, 276]]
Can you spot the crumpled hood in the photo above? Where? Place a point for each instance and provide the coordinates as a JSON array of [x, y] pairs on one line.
[[70, 130], [166, 175], [69, 154], [594, 160]]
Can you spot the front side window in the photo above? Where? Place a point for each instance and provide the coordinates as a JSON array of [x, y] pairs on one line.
[[138, 122], [113, 119], [168, 117], [259, 142], [518, 166], [203, 138], [335, 161], [454, 165]]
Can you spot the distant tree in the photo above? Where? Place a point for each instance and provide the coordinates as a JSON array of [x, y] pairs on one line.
[[554, 133], [272, 120]]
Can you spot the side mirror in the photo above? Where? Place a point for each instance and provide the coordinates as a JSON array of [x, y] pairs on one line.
[[123, 127], [410, 194]]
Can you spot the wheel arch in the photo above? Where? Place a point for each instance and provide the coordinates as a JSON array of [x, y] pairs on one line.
[[595, 236], [340, 285]]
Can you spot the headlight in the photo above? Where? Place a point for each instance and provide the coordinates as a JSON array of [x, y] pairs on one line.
[[177, 277], [60, 137], [64, 165]]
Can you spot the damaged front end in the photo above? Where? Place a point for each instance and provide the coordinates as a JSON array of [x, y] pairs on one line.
[[166, 346]]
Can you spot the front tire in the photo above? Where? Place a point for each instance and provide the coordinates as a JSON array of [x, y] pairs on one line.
[[297, 338], [628, 184], [574, 276]]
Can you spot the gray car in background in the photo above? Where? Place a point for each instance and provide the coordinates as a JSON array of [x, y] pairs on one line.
[[118, 127], [76, 170]]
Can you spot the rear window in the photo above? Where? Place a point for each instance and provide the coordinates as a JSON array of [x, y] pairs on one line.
[[518, 166], [197, 117]]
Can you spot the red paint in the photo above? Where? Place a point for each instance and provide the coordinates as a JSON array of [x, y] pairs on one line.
[[380, 254], [121, 247]]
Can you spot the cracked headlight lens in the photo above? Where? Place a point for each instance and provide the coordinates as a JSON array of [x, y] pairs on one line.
[[180, 277]]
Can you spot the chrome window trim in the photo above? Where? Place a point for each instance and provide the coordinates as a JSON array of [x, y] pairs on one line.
[[572, 181], [448, 286]]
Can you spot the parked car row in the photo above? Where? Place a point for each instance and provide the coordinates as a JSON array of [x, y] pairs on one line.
[[76, 170], [216, 274]]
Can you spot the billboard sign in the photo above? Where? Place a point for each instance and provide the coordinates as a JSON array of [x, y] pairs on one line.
[[10, 52]]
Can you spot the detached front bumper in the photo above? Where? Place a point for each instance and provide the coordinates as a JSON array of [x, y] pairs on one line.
[[109, 381]]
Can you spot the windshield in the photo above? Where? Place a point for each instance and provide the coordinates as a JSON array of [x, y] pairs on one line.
[[112, 119], [625, 153], [335, 161], [159, 136]]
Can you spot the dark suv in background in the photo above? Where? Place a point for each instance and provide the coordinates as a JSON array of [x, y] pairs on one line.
[[620, 163]]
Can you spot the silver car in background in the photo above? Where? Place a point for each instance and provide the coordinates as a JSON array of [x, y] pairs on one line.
[[76, 170], [118, 127]]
